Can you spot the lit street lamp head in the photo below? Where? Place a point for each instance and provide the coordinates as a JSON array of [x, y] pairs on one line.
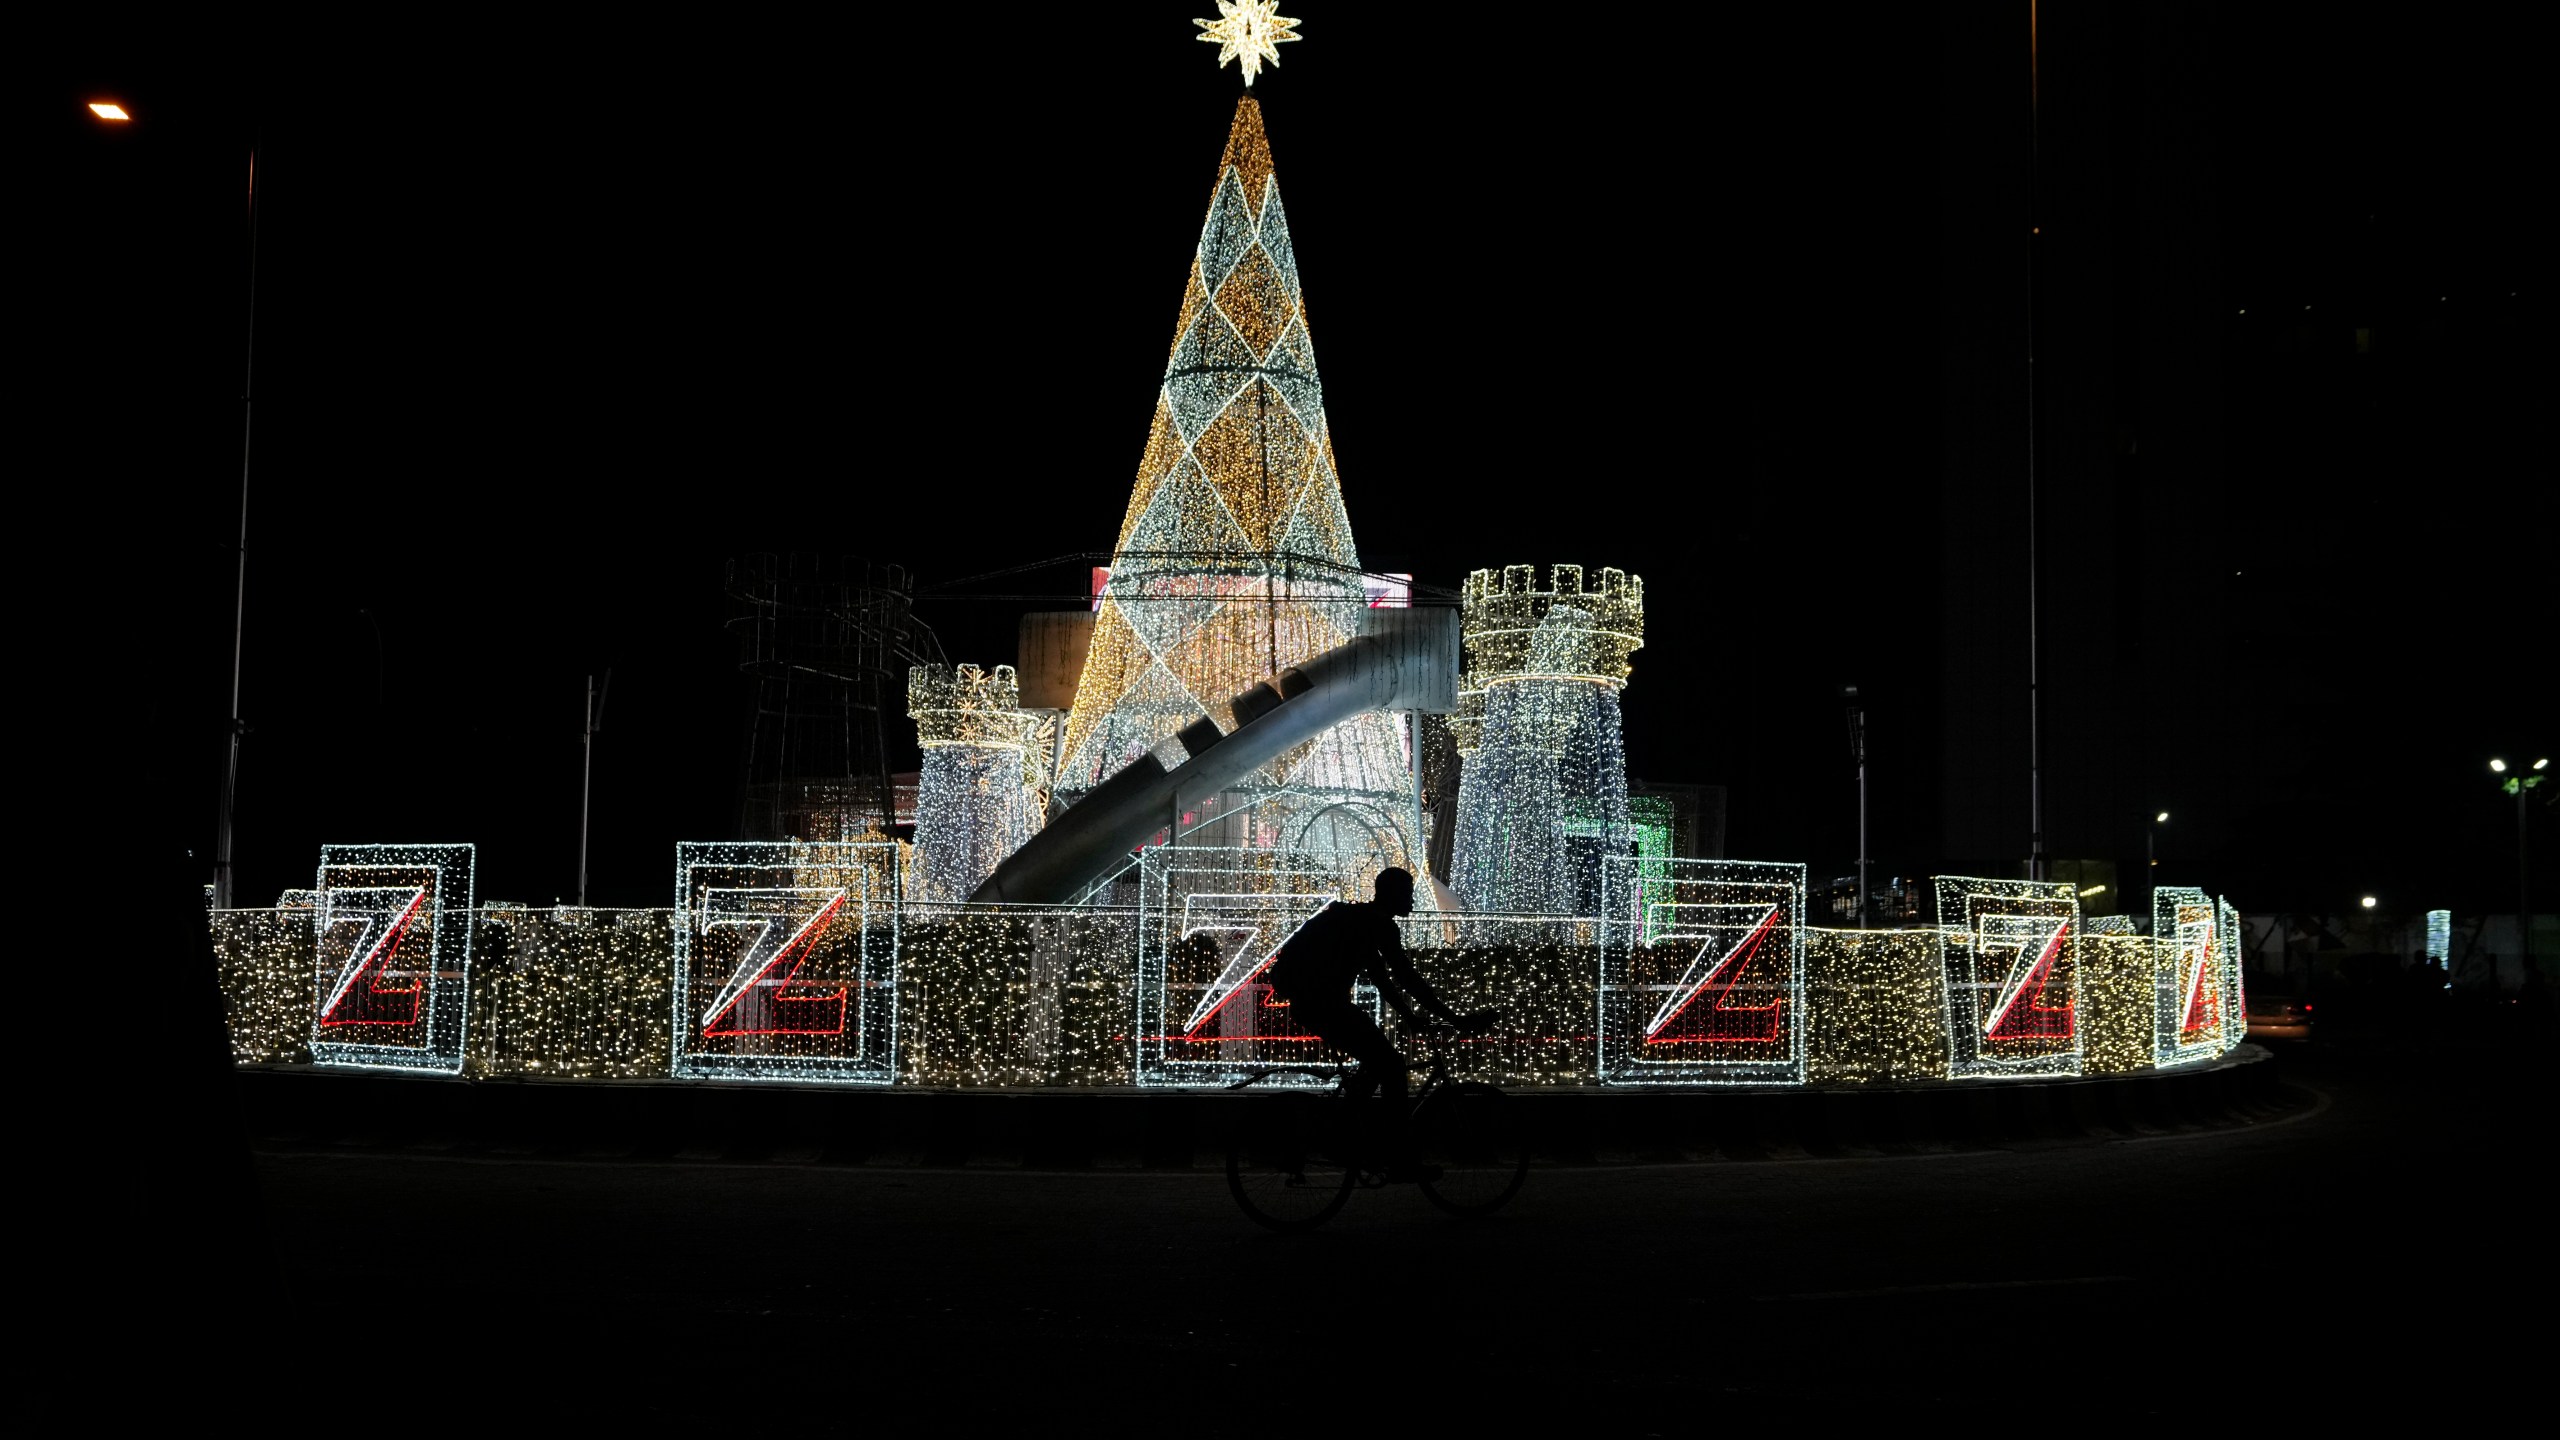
[[2369, 902], [2497, 767], [108, 110]]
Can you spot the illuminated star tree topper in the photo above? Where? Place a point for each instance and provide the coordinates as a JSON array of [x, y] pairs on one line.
[[1250, 29]]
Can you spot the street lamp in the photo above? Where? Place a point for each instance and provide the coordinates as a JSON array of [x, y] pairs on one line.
[[112, 113], [2370, 902], [2516, 785]]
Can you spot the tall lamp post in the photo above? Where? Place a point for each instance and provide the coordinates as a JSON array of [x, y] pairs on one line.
[[1858, 753], [2516, 785], [110, 113]]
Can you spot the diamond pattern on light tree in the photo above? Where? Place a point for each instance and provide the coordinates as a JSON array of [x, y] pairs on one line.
[[1256, 301], [1153, 707], [1275, 239], [1230, 229], [1236, 558], [1164, 455]]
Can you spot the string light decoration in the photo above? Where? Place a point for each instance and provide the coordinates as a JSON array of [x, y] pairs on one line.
[[2191, 992], [979, 787], [786, 960], [392, 957], [1248, 31], [1235, 559], [1046, 997], [1026, 996], [1702, 974], [580, 995], [2010, 951], [266, 961], [2117, 1000], [1210, 921], [1875, 1007], [1542, 786]]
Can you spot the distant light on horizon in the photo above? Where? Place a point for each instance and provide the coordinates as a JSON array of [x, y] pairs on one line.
[[107, 110]]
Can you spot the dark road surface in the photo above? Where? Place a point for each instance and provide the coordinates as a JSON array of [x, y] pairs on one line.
[[2300, 1265]]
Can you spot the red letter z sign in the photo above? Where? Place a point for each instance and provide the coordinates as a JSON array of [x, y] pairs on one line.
[[2018, 1010], [371, 989], [762, 998], [1725, 1021]]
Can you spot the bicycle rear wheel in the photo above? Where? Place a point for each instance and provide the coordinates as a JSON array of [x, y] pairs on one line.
[[1287, 1164], [1470, 1134]]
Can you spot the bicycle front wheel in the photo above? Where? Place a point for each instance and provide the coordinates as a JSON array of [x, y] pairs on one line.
[[1469, 1140], [1287, 1161]]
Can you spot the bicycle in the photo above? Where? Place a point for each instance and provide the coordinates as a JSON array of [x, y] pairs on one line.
[[1293, 1160]]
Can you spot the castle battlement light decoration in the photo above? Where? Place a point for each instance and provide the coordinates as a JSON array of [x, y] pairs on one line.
[[1542, 789], [1235, 560], [983, 777]]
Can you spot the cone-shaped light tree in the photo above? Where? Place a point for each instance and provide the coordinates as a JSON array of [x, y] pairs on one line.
[[1235, 559]]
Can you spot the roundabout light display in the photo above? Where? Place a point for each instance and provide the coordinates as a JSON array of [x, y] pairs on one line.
[[839, 963]]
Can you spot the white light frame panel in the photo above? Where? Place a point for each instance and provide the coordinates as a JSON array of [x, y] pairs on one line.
[[838, 899], [1730, 913], [1257, 899], [2189, 948], [364, 894], [1984, 926]]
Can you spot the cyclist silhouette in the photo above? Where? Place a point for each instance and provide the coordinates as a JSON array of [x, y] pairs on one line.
[[1347, 939]]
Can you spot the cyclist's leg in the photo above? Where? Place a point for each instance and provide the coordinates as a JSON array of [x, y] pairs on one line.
[[1382, 1068], [1349, 1029]]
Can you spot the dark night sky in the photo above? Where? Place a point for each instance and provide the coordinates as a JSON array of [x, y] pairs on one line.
[[551, 324]]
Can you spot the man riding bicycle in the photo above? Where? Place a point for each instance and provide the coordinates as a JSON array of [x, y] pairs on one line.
[[1315, 970]]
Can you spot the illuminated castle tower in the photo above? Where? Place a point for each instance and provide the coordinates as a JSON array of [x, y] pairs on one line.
[[978, 795], [1542, 792], [1235, 559]]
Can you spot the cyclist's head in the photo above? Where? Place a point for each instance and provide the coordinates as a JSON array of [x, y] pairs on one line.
[[1395, 890]]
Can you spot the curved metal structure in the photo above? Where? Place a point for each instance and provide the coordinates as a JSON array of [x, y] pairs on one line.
[[1373, 672]]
